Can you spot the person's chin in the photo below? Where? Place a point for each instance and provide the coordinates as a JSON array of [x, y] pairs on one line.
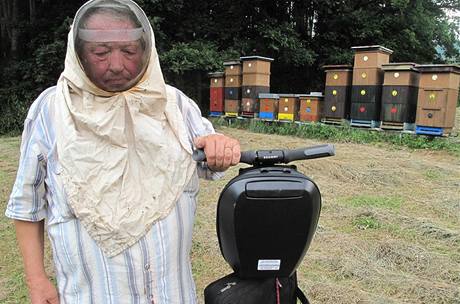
[[116, 85]]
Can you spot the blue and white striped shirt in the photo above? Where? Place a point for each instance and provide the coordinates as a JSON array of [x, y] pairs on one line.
[[155, 270]]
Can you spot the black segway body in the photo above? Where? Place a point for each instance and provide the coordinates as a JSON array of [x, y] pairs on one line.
[[266, 219]]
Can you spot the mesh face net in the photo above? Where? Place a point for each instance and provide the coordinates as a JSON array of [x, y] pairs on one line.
[[113, 42]]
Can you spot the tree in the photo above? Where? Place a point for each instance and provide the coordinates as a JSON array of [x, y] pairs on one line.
[[194, 37]]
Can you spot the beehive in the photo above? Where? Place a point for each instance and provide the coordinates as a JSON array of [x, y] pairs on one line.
[[249, 107], [337, 92], [232, 91], [371, 56], [399, 94], [367, 83], [268, 108], [257, 65], [233, 81], [216, 93], [437, 98], [310, 106], [256, 80], [288, 107], [233, 68], [232, 107]]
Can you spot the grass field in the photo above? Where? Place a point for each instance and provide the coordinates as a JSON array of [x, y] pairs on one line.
[[389, 230]]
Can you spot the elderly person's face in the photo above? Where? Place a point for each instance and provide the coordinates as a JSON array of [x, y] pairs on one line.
[[111, 65]]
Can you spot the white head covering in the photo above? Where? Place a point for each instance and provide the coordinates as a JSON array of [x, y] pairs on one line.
[[125, 156]]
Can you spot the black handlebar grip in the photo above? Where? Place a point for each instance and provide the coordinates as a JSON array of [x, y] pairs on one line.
[[309, 153], [250, 157], [198, 155], [247, 157]]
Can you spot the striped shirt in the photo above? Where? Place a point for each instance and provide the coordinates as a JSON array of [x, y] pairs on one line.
[[154, 270]]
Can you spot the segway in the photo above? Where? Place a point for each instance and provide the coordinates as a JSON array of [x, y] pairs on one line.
[[266, 219]]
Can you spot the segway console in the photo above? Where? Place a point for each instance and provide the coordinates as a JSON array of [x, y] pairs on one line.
[[266, 218]]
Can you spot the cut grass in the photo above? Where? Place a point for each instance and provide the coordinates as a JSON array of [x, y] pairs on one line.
[[389, 231], [343, 133], [364, 222], [12, 288], [390, 202]]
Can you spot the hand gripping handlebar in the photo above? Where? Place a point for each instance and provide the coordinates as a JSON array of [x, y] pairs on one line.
[[271, 157]]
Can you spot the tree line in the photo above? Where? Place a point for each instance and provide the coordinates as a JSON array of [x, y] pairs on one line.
[[194, 37]]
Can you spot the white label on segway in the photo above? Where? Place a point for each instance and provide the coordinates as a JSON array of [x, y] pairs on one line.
[[269, 265]]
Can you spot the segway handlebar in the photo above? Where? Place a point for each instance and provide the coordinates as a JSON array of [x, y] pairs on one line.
[[271, 157]]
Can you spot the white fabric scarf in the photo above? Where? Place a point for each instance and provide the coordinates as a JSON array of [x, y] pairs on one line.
[[125, 157]]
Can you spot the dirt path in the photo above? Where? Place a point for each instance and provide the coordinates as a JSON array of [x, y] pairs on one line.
[[389, 228]]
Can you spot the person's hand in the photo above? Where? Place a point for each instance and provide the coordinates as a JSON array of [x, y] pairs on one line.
[[221, 151], [42, 291]]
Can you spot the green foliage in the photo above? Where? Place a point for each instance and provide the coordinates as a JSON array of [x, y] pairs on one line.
[[24, 79], [196, 55], [365, 222], [283, 41], [194, 37], [15, 103], [432, 174]]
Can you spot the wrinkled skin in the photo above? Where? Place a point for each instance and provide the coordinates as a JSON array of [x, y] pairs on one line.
[[112, 66]]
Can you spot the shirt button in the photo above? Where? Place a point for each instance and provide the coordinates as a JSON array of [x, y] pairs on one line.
[[147, 266]]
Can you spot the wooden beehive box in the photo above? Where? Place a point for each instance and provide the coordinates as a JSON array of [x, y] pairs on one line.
[[438, 95], [310, 106], [232, 107], [216, 79], [338, 75], [287, 107], [371, 56], [337, 91], [399, 92], [268, 108], [233, 68], [256, 71], [216, 93]]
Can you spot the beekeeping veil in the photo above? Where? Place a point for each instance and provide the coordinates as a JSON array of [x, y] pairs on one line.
[[123, 152]]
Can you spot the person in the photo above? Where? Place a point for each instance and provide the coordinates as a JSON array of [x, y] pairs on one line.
[[106, 166]]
